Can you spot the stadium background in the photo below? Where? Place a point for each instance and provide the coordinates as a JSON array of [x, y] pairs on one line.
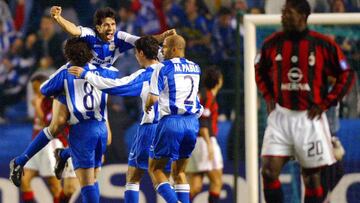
[[210, 43]]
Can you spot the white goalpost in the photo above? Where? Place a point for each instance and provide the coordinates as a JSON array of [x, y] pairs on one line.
[[251, 121]]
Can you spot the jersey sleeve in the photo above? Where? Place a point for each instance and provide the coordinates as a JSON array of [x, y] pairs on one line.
[[345, 76], [55, 84], [125, 41], [126, 86], [87, 34], [157, 81], [262, 74]]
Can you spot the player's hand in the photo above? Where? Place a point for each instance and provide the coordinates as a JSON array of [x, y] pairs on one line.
[[210, 151], [314, 112], [148, 109], [76, 70], [55, 12], [270, 106]]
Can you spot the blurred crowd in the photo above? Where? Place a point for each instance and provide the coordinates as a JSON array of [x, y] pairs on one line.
[[31, 42]]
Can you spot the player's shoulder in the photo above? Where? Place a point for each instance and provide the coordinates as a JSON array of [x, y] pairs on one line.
[[274, 38], [86, 31], [122, 35], [154, 67], [322, 38]]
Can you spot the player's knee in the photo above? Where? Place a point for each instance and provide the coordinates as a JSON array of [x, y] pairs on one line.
[[216, 182], [133, 178], [69, 190], [55, 189], [179, 177], [269, 174]]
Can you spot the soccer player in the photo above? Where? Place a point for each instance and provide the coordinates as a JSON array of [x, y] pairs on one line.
[[88, 114], [137, 84], [291, 73], [175, 86], [42, 163], [206, 158]]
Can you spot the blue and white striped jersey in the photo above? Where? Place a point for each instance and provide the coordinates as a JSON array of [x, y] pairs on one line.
[[136, 84], [83, 100], [105, 53], [177, 84]]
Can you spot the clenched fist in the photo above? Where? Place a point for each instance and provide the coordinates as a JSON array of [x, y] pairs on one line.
[[55, 12]]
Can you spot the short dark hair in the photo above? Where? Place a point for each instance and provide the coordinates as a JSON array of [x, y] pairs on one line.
[[149, 45], [77, 51], [211, 77], [102, 13], [301, 6]]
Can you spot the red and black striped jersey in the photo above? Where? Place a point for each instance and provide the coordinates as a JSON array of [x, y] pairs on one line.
[[292, 70], [209, 118]]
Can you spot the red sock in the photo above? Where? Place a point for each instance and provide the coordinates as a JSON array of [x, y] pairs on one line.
[[213, 197], [28, 196], [63, 197], [272, 191], [57, 199], [313, 195]]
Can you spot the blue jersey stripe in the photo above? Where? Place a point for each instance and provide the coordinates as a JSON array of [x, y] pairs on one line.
[[71, 92], [172, 94]]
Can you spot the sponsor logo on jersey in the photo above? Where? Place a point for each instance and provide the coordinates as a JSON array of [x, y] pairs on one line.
[[295, 76]]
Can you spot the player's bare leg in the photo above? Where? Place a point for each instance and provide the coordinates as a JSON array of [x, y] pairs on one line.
[[86, 178], [133, 178], [196, 183], [182, 188], [270, 171], [160, 179], [215, 185], [55, 187], [70, 185], [313, 188], [26, 190]]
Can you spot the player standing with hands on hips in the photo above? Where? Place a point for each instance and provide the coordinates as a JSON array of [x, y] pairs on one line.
[[291, 73]]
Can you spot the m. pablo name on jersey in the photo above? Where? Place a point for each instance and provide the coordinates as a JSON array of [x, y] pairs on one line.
[[189, 68]]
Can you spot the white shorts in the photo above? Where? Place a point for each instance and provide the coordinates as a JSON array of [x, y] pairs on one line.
[[292, 133], [44, 161], [69, 171], [199, 159]]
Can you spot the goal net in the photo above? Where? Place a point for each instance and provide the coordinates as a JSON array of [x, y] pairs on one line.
[[345, 29]]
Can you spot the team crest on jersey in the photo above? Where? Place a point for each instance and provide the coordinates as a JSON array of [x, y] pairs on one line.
[[112, 46], [312, 59], [278, 57]]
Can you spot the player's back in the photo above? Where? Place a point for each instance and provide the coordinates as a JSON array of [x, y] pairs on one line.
[[83, 100], [178, 83]]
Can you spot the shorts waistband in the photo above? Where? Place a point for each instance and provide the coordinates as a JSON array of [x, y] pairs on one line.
[[289, 111]]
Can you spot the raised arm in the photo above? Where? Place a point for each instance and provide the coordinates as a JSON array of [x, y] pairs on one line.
[[67, 26], [161, 37]]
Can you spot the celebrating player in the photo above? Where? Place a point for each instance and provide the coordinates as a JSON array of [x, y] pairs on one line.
[[175, 86], [137, 84], [291, 74]]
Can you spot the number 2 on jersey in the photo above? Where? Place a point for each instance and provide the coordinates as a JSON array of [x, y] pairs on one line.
[[187, 100]]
